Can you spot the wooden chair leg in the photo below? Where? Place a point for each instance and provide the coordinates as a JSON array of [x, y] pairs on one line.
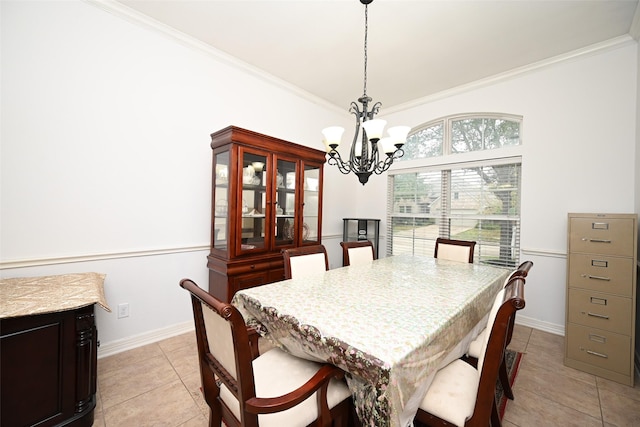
[[504, 380], [495, 416]]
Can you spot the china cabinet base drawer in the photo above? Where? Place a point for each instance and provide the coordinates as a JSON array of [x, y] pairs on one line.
[[607, 236], [602, 349], [245, 281], [598, 310], [601, 273]]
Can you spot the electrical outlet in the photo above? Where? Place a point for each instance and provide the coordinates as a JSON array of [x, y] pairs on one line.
[[123, 310]]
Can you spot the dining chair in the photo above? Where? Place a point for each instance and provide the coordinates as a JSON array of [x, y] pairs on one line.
[[473, 353], [357, 252], [247, 389], [461, 395], [305, 260], [454, 250]]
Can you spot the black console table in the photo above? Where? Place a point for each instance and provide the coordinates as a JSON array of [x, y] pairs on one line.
[[48, 360]]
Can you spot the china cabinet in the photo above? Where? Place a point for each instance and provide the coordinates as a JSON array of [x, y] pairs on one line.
[[267, 196], [601, 295]]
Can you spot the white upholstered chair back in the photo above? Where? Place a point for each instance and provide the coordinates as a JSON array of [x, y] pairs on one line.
[[454, 250], [305, 265], [360, 256], [220, 339]]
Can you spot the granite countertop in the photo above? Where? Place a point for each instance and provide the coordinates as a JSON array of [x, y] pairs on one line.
[[25, 296]]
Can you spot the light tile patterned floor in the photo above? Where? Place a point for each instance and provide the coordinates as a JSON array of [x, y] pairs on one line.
[[158, 385]]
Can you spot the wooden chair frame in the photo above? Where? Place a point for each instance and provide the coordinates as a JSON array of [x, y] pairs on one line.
[[245, 341], [522, 271], [468, 243], [486, 411], [355, 244], [302, 251]]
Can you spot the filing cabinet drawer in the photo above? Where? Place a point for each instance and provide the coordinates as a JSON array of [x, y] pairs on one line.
[[602, 311], [603, 349], [607, 236], [602, 273]]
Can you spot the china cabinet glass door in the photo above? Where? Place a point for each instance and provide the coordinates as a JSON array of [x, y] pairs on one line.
[[311, 211], [252, 208], [285, 202], [220, 230]]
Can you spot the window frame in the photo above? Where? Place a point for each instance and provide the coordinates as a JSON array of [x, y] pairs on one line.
[[511, 154]]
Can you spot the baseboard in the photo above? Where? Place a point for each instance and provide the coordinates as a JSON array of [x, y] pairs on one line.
[[552, 328], [114, 347]]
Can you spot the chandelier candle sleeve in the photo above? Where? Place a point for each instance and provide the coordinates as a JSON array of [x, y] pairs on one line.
[[364, 154]]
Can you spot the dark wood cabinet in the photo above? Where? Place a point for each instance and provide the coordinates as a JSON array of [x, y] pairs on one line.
[[266, 196], [48, 369]]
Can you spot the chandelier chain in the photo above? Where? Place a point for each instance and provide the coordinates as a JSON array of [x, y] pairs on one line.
[[366, 28], [368, 154]]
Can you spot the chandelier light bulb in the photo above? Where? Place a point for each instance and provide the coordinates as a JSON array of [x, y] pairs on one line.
[[398, 135], [387, 145], [374, 128], [332, 136]]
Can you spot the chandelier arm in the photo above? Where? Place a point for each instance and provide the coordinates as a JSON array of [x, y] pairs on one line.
[[384, 165], [336, 160], [374, 110], [355, 159]]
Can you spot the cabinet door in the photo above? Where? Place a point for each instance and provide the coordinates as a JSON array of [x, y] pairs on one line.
[[312, 203], [252, 203], [285, 184], [220, 226]]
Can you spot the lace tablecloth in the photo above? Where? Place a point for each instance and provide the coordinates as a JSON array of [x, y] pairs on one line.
[[24, 296], [389, 324]]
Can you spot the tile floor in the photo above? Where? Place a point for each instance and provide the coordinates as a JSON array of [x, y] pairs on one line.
[[158, 385]]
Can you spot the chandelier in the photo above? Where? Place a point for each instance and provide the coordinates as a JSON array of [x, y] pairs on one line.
[[365, 157]]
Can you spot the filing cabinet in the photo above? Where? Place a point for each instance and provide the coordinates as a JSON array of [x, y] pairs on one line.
[[601, 295]]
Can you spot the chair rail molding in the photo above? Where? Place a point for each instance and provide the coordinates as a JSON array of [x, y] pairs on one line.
[[37, 262]]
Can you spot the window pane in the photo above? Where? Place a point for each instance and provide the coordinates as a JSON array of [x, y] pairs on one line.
[[478, 203], [424, 143], [475, 134], [485, 207], [414, 193]]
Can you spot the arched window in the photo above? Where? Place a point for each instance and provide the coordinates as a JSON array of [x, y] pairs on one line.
[[459, 179]]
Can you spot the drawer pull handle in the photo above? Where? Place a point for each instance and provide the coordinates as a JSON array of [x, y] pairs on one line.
[[595, 353], [586, 239], [599, 316], [597, 338], [588, 276]]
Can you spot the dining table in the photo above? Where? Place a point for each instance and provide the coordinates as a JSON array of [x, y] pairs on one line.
[[389, 324]]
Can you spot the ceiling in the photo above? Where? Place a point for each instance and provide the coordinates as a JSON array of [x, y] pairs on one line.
[[416, 48]]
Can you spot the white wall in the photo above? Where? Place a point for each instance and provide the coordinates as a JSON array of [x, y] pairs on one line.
[[578, 155], [106, 156]]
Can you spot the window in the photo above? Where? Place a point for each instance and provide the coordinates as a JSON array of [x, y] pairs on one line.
[[477, 199]]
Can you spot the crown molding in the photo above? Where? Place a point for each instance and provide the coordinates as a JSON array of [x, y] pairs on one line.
[[634, 31], [118, 9], [597, 48]]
